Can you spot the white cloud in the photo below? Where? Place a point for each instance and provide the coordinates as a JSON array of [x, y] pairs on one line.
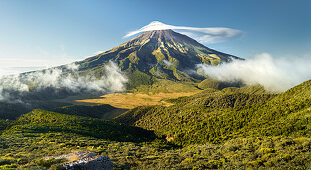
[[15, 60], [98, 52], [17, 70], [18, 65], [203, 35], [112, 80], [166, 62], [275, 74]]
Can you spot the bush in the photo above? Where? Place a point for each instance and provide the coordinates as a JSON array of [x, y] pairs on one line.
[[48, 163]]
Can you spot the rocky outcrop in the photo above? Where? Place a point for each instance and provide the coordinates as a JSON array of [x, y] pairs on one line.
[[90, 163]]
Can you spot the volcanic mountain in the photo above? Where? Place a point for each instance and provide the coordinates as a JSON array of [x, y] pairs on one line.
[[158, 54], [151, 58]]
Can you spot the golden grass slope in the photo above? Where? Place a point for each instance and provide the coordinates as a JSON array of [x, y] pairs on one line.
[[132, 100]]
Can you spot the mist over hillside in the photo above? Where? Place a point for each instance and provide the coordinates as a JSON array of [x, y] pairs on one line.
[[149, 57], [275, 74], [144, 60], [16, 70], [64, 79]]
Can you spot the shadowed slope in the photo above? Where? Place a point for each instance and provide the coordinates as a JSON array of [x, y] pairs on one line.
[[41, 121]]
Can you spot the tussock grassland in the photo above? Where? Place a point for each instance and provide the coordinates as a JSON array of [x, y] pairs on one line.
[[132, 100]]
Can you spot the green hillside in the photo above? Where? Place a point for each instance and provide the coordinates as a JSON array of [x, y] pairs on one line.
[[215, 116], [286, 114], [232, 128], [31, 133], [216, 84], [101, 111], [43, 133], [210, 116], [41, 121], [166, 86], [12, 110]]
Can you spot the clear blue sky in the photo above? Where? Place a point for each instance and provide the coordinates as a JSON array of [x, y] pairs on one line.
[[33, 32]]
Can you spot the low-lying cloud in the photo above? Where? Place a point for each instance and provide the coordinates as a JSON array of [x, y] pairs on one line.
[[60, 79], [166, 62], [203, 35], [275, 74], [17, 70]]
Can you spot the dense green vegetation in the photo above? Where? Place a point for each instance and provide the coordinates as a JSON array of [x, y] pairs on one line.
[[101, 111], [138, 78], [210, 116], [26, 150], [12, 110], [216, 84], [226, 125], [232, 128], [41, 121], [166, 86], [42, 133], [215, 116]]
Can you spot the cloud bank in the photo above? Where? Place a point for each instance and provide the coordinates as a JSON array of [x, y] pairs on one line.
[[17, 70], [166, 62], [18, 65], [274, 74], [57, 80], [203, 35]]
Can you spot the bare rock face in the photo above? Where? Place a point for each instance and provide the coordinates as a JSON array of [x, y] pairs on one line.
[[90, 163]]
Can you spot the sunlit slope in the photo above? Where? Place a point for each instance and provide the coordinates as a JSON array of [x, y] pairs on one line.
[[217, 84], [160, 54], [287, 114], [132, 100], [160, 61], [215, 116]]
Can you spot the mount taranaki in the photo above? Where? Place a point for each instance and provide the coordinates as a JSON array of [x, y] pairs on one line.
[[158, 54], [147, 59]]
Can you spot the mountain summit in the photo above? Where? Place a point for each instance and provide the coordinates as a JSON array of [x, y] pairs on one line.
[[160, 54]]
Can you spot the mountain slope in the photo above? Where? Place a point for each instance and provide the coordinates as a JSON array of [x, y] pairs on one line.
[[164, 59], [162, 54], [151, 56]]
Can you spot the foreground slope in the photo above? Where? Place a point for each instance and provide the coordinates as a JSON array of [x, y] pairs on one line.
[[43, 133], [41, 121], [26, 143]]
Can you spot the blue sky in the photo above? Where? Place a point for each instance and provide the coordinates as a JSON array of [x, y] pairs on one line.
[[51, 32]]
